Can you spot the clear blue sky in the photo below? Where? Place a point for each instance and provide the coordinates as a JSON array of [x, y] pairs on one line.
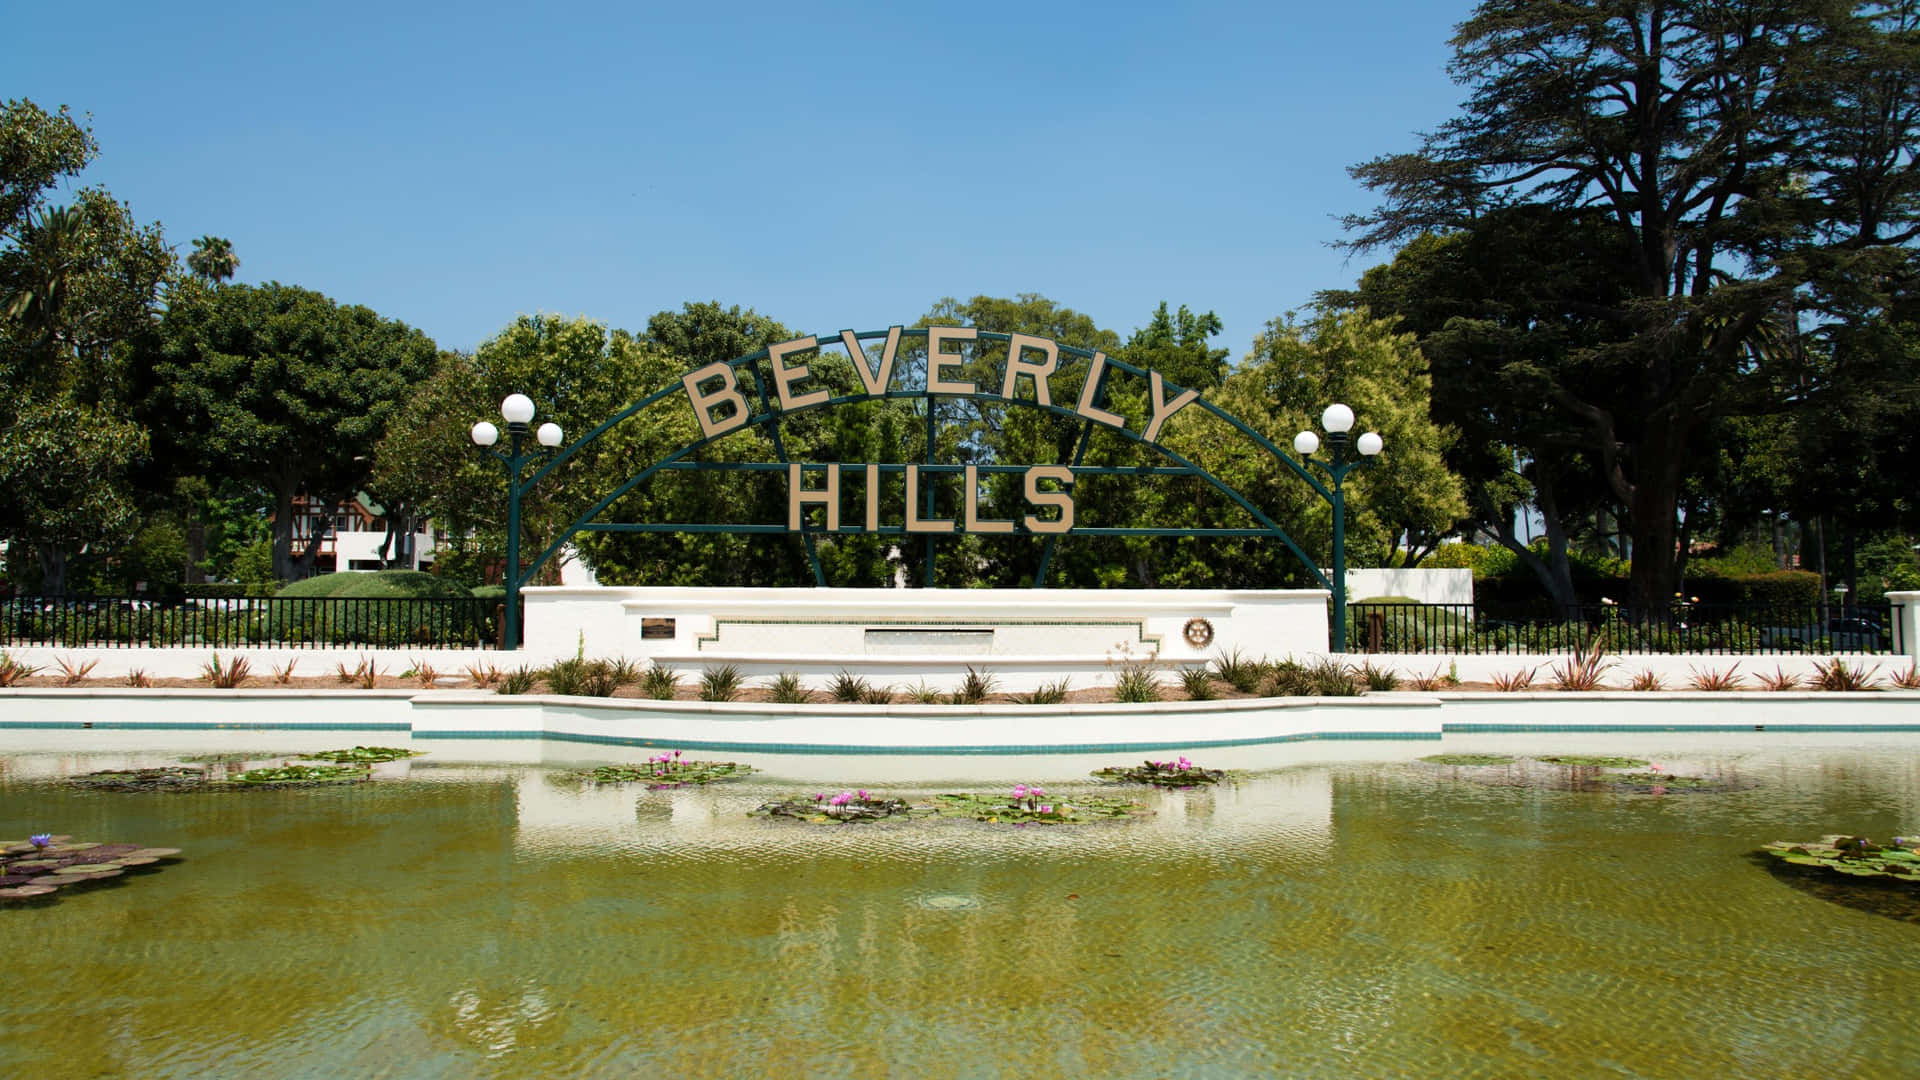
[[831, 165]]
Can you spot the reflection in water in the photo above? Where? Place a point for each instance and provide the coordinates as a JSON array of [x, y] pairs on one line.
[[1369, 919]]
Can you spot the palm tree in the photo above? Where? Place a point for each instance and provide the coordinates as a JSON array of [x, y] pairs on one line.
[[52, 247], [213, 260]]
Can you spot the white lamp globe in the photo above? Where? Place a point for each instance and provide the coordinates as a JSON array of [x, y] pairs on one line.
[[518, 408], [1369, 444], [485, 434], [549, 434], [1338, 419], [1306, 443]]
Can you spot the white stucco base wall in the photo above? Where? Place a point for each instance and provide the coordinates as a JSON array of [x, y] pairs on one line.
[[1024, 636], [187, 663], [1675, 670]]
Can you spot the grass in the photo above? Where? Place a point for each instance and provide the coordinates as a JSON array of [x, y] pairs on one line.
[[1136, 682], [1332, 680], [924, 694], [877, 695]]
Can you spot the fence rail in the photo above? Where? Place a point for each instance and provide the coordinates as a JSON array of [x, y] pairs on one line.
[[277, 622], [1698, 629]]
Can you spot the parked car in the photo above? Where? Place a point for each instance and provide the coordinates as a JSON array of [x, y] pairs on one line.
[[1852, 633]]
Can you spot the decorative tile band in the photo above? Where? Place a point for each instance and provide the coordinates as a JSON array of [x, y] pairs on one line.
[[1642, 729]]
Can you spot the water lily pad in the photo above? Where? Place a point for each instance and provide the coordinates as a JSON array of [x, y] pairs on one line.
[[1468, 759], [157, 852], [1594, 761], [23, 892], [363, 754]]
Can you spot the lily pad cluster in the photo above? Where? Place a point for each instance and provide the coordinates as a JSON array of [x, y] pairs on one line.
[[46, 864], [1578, 772], [669, 771], [1894, 863], [1178, 773], [1032, 806], [366, 755], [848, 807], [350, 766]]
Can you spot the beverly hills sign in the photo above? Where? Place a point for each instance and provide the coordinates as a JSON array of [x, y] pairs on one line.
[[721, 405]]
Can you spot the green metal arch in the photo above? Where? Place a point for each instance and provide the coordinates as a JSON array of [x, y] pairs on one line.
[[771, 418]]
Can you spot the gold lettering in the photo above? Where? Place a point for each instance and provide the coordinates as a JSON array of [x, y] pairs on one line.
[[938, 358], [704, 402], [1017, 345], [1095, 376], [876, 384], [974, 522], [915, 523], [1162, 409], [784, 376], [1061, 499], [798, 497]]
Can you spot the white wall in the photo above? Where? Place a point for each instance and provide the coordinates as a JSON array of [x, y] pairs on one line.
[[1037, 635], [1429, 586]]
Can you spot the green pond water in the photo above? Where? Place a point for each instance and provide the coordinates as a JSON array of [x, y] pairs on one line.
[[1369, 918]]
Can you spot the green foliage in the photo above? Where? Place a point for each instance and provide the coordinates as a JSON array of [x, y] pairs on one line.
[[669, 771], [377, 584], [303, 774], [1854, 858], [37, 150], [1289, 678], [1468, 759], [1174, 774], [1330, 679], [720, 684], [1002, 810], [1837, 675], [787, 689], [580, 677], [1375, 677], [1198, 684], [847, 687], [1240, 672], [363, 754], [660, 682], [1594, 761], [281, 388], [518, 681], [1053, 693], [225, 676], [974, 689], [1136, 681]]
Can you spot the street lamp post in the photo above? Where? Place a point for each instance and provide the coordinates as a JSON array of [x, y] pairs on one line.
[[1338, 420], [518, 411]]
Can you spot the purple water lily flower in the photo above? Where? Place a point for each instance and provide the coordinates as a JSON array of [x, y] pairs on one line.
[[40, 840], [1046, 808]]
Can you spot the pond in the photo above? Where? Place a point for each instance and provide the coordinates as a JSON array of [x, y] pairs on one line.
[[1362, 918]]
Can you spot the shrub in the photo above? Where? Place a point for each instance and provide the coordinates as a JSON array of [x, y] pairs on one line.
[[975, 688], [1715, 681], [924, 694], [787, 689], [878, 695], [1045, 694], [579, 677], [1779, 680], [139, 677], [1647, 680], [1514, 682], [450, 615], [720, 684], [518, 681], [659, 682], [1330, 679], [284, 675], [847, 687], [225, 676], [72, 674], [1836, 675], [1581, 671], [1239, 672], [1288, 678], [1136, 682], [1198, 683], [1908, 679], [1376, 678]]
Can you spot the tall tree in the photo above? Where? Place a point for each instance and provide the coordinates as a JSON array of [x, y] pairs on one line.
[[37, 149], [1691, 125], [284, 389], [213, 260]]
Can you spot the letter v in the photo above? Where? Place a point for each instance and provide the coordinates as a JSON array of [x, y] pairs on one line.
[[875, 384]]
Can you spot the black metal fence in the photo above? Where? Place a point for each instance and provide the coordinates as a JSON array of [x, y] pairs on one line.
[[278, 622], [1702, 629]]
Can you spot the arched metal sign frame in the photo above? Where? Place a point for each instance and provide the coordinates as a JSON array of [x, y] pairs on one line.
[[769, 419]]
